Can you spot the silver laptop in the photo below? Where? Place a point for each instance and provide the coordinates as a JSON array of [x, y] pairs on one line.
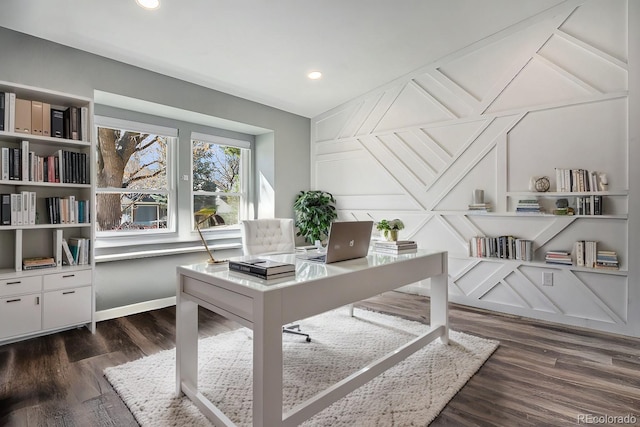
[[347, 240]]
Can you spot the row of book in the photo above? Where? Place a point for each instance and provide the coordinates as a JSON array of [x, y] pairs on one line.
[[578, 180], [40, 118], [263, 268], [21, 209], [72, 251], [395, 247], [589, 205], [67, 210], [585, 254], [18, 208], [505, 247], [20, 164]]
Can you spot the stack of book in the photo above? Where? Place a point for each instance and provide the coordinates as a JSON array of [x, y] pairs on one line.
[[263, 268], [528, 206], [607, 260], [398, 247], [38, 262], [480, 207], [558, 257]]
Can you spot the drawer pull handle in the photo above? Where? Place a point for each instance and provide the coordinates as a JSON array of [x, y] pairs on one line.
[[68, 292], [68, 275], [14, 300], [14, 283]]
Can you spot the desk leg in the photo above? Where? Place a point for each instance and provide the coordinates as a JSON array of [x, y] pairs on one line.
[[440, 304], [186, 342], [267, 361]]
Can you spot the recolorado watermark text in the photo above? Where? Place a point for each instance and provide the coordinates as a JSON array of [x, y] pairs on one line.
[[629, 419]]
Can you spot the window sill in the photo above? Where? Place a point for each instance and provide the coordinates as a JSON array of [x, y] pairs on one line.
[[149, 253]]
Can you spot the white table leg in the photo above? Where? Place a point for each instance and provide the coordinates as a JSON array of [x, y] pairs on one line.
[[440, 304], [186, 342], [267, 362]]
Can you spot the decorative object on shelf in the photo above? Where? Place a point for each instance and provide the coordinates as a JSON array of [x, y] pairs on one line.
[[315, 211], [207, 213], [478, 197], [541, 184], [562, 207], [390, 228], [477, 202], [604, 182]]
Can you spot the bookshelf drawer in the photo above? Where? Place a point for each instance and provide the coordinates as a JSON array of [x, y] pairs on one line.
[[20, 285], [20, 315], [66, 307], [67, 279]]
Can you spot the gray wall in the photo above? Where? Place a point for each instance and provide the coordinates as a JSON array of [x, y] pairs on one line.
[[35, 62]]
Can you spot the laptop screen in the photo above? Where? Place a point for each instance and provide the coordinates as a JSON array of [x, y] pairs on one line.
[[348, 240]]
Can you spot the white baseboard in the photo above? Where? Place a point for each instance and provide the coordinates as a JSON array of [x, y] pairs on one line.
[[140, 307]]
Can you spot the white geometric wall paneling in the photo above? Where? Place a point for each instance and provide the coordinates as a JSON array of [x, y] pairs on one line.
[[549, 92]]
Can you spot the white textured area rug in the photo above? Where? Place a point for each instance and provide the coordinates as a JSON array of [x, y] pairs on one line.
[[411, 393]]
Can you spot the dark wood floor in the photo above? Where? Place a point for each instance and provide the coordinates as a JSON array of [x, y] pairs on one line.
[[541, 375]]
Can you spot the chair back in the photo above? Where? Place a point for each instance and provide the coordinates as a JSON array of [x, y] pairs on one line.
[[268, 236]]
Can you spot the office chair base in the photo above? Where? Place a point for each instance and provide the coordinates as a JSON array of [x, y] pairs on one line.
[[295, 329]]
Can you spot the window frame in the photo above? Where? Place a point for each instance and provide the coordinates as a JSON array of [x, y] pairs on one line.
[[171, 192], [245, 178]]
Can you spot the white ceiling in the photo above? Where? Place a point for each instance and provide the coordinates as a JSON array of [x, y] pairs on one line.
[[262, 50]]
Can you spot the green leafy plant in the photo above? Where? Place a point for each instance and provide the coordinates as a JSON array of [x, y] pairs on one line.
[[315, 211], [389, 227]]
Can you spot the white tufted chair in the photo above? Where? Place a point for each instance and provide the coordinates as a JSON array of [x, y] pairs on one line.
[[270, 236]]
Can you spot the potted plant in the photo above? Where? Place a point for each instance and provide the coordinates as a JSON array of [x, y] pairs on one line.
[[315, 211], [390, 228]]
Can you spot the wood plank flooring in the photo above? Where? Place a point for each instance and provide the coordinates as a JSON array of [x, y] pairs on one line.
[[541, 375]]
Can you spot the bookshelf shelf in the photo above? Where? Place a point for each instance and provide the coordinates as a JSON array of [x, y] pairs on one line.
[[540, 264], [54, 298], [566, 194], [528, 215]]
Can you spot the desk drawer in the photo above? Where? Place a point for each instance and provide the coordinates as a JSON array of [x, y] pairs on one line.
[[233, 302], [68, 279], [20, 285]]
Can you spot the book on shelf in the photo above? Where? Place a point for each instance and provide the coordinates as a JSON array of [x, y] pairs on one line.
[[528, 206], [5, 209], [67, 256], [577, 180], [589, 205], [558, 257], [607, 260], [79, 247], [2, 112], [263, 268], [480, 207], [38, 262]]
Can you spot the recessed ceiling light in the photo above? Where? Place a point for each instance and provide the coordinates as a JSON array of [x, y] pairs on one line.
[[314, 75], [149, 4]]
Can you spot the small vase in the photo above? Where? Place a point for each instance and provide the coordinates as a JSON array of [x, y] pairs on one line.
[[391, 235]]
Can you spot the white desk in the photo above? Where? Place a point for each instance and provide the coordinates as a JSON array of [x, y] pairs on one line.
[[265, 307]]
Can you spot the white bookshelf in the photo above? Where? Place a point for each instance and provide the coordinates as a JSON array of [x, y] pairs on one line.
[[42, 301]]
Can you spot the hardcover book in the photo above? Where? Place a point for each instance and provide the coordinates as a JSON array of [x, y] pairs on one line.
[[262, 267]]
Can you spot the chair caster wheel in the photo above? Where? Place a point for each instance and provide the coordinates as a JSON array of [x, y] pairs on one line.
[[308, 339]]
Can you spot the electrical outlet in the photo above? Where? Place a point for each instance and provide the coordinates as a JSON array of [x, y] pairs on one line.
[[547, 278]]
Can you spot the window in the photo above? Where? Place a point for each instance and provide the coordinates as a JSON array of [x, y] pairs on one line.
[[134, 190], [220, 180]]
